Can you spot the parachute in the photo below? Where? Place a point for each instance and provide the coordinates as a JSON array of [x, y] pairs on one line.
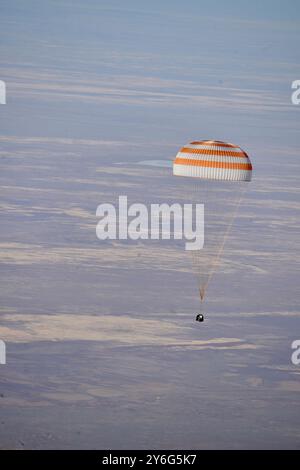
[[215, 174]]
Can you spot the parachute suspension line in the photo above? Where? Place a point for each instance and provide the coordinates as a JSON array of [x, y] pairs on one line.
[[202, 293], [218, 257], [201, 309], [202, 185]]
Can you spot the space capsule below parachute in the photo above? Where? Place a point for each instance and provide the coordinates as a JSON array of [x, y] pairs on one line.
[[216, 173]]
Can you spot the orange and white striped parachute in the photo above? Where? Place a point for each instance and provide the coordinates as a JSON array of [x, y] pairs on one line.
[[213, 159], [215, 174]]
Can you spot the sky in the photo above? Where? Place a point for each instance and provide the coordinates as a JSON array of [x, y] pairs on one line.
[[102, 348]]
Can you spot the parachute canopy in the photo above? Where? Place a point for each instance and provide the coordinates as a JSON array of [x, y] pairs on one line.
[[213, 159]]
